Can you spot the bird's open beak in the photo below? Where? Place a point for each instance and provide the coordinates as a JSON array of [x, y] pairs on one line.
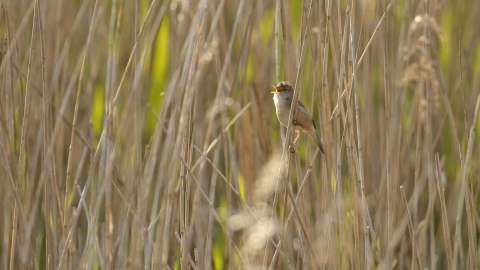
[[276, 90]]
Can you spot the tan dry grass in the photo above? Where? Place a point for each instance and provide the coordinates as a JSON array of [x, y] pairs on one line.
[[141, 134]]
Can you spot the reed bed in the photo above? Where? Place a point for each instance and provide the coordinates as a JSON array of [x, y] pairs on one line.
[[142, 134]]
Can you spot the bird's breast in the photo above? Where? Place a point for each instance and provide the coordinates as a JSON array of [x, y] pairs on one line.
[[281, 102], [282, 107]]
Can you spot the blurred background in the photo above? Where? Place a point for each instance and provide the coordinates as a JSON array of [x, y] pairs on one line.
[[142, 134]]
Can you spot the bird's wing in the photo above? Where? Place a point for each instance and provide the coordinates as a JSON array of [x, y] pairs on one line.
[[304, 117], [300, 104]]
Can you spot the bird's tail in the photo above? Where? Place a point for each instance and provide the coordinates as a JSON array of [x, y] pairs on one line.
[[312, 132]]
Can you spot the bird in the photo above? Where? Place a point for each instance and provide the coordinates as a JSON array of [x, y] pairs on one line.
[[283, 98]]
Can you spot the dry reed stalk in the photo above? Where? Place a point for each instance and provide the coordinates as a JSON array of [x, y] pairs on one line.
[[413, 235], [446, 230], [111, 198]]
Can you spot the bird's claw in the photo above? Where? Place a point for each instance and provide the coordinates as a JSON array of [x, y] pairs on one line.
[[291, 148]]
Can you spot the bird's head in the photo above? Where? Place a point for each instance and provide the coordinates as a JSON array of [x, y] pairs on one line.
[[283, 88]]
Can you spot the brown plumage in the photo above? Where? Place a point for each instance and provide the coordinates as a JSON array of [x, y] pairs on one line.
[[283, 98]]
